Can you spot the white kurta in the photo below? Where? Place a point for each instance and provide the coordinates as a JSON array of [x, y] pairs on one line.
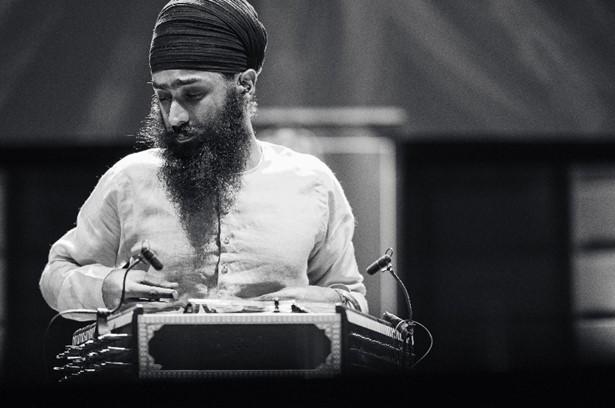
[[291, 225]]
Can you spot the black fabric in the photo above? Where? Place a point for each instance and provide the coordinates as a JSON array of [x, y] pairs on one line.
[[211, 35]]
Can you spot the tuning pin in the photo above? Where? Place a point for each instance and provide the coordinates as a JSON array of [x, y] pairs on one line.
[[189, 308], [276, 305]]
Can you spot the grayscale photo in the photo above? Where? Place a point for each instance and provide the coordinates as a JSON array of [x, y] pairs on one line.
[[307, 203]]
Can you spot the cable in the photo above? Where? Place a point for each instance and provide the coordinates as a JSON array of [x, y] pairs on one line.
[[48, 330], [218, 240], [137, 261], [430, 344], [398, 325]]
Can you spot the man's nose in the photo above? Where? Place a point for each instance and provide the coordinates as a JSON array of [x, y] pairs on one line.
[[178, 116]]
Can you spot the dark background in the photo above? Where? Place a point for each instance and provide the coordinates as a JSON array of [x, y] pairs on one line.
[[502, 99]]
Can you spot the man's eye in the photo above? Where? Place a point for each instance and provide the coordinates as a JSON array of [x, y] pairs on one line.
[[164, 98], [194, 96]]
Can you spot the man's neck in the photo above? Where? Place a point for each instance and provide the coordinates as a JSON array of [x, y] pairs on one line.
[[255, 156]]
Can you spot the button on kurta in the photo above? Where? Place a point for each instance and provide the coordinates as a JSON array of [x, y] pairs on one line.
[[224, 269], [226, 241]]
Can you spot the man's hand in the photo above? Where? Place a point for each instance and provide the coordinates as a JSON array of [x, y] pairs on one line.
[[306, 294], [138, 286]]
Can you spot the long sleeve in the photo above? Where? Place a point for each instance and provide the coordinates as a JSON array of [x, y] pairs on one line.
[[333, 263], [291, 225], [81, 259]]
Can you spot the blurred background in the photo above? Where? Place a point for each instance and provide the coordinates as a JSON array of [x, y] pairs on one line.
[[474, 138]]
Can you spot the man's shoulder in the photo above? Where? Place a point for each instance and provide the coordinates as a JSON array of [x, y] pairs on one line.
[[143, 160], [292, 160], [134, 167], [304, 166]]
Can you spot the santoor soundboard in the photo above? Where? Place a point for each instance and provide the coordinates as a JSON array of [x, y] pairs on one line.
[[222, 339]]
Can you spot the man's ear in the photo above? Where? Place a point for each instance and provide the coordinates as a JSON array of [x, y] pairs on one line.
[[247, 81]]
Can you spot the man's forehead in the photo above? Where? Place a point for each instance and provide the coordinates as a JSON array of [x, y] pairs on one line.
[[175, 78]]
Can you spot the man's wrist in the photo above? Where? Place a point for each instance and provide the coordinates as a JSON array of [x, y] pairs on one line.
[[346, 299], [109, 289]]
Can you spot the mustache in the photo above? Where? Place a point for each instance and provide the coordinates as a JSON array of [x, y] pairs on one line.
[[185, 140], [185, 129]]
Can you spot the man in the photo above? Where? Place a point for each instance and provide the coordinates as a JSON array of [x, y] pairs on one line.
[[229, 216]]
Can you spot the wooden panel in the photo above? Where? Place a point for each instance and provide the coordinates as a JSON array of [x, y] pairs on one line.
[[594, 282], [596, 341], [593, 212], [593, 265]]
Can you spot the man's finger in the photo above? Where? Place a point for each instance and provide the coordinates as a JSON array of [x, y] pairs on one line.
[[134, 275], [151, 292], [159, 282]]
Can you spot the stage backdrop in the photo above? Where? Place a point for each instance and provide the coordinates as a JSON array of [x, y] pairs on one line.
[[76, 71]]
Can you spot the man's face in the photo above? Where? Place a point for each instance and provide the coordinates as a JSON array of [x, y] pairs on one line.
[[189, 99]]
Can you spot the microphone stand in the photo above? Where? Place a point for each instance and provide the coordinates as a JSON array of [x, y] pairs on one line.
[[404, 327], [403, 287]]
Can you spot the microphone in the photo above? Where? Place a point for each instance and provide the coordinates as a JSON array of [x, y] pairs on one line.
[[397, 322], [391, 318], [380, 263], [151, 258]]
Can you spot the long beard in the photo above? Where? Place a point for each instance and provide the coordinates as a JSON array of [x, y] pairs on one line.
[[203, 176]]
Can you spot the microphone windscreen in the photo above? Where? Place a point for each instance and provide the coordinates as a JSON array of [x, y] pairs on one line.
[[378, 265], [151, 259]]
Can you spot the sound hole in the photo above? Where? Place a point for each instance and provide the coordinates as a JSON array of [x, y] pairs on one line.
[[239, 347]]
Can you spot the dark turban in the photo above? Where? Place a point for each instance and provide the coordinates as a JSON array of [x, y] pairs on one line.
[[208, 35]]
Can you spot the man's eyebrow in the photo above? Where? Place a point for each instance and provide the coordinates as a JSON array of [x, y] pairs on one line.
[[178, 82]]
